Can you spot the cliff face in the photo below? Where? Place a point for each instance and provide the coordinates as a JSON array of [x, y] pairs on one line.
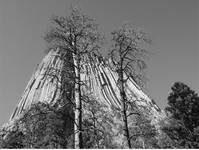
[[42, 85], [50, 83]]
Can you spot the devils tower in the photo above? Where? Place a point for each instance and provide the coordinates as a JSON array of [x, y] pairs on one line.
[[52, 76], [46, 82], [74, 74]]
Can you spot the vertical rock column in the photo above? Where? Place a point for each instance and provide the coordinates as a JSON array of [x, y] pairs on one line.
[[52, 82], [102, 82], [45, 83]]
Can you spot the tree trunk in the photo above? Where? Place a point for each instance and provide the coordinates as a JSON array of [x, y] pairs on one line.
[[124, 105], [78, 105]]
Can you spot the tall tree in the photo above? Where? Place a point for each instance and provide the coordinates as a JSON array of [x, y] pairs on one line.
[[77, 34], [183, 114], [128, 56]]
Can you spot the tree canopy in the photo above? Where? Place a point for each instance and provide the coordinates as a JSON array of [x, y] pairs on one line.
[[183, 116]]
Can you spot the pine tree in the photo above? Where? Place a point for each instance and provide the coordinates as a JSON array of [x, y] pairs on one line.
[[78, 35], [184, 105], [183, 113]]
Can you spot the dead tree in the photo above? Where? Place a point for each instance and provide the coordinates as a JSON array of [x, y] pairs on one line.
[[128, 58]]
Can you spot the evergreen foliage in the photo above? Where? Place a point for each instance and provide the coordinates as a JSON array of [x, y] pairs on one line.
[[98, 125], [143, 133], [183, 112], [46, 126], [184, 105], [42, 126]]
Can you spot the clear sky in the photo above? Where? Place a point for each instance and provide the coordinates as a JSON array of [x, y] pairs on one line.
[[172, 24]]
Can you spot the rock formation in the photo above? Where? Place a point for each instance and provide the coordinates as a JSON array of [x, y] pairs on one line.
[[51, 83], [46, 85]]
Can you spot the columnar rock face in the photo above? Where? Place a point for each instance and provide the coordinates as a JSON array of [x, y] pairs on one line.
[[42, 87], [53, 75]]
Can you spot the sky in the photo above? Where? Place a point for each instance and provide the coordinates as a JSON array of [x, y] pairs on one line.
[[173, 26]]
